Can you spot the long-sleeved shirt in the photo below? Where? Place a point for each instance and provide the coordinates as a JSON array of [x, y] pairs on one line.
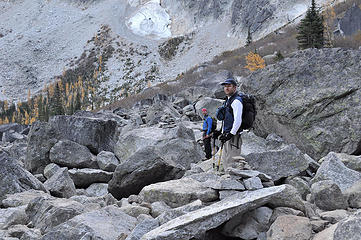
[[207, 124], [237, 107]]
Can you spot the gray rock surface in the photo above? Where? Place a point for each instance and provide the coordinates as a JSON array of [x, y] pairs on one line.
[[350, 161], [253, 183], [300, 184], [135, 210], [333, 169], [280, 211], [334, 216], [179, 192], [248, 174], [353, 195], [176, 144], [50, 170], [302, 104], [70, 154], [349, 228], [22, 198], [45, 214], [97, 189], [290, 227], [107, 161], [170, 214], [248, 225], [142, 228], [328, 196], [212, 180], [106, 223], [199, 221], [157, 208], [60, 184], [13, 216], [84, 177], [42, 137], [289, 197], [328, 233], [145, 167], [96, 134], [287, 161], [14, 178]]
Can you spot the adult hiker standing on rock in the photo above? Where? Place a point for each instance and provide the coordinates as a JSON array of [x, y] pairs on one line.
[[207, 129], [232, 120]]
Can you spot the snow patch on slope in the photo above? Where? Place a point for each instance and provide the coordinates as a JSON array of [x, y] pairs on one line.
[[150, 20]]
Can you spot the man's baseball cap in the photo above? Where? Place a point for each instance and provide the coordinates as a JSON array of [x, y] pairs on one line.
[[204, 109], [229, 81]]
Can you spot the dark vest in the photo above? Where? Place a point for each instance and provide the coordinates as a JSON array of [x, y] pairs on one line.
[[228, 120]]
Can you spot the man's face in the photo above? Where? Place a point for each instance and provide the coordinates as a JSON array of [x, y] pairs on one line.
[[229, 89], [204, 113]]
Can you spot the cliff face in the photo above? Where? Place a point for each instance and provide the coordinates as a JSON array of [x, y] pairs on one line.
[[312, 100], [150, 41]]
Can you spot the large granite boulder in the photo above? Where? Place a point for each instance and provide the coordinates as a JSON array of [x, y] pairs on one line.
[[145, 167], [107, 161], [42, 137], [197, 222], [11, 127], [176, 144], [349, 228], [60, 184], [22, 198], [328, 196], [84, 177], [48, 212], [290, 227], [107, 223], [210, 104], [248, 225], [97, 134], [14, 178], [284, 162], [353, 195], [70, 154], [350, 161], [179, 192], [333, 169], [310, 100]]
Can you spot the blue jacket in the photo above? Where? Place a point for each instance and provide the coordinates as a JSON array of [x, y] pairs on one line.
[[229, 119], [207, 124]]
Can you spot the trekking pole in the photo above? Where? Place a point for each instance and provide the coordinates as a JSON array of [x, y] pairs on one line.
[[214, 153], [220, 156]]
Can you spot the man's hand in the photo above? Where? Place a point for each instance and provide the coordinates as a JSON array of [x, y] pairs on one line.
[[206, 136], [225, 137]]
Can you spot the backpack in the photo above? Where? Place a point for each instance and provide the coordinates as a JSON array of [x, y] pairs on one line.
[[248, 114]]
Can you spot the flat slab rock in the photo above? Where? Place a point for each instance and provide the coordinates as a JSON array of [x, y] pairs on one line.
[[191, 224]]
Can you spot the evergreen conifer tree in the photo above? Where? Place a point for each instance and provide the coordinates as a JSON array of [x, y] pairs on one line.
[[310, 30], [56, 102]]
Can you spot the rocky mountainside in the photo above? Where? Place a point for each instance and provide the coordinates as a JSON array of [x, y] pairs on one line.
[[311, 99], [141, 42], [138, 173]]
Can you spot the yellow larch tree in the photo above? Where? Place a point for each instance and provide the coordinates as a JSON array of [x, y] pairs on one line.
[[6, 121], [27, 118], [6, 105], [329, 16], [254, 61]]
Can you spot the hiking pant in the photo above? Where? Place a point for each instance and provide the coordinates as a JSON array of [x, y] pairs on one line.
[[207, 147], [231, 148]]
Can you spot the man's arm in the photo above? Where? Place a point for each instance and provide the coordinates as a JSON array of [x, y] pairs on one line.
[[209, 123], [237, 107]]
